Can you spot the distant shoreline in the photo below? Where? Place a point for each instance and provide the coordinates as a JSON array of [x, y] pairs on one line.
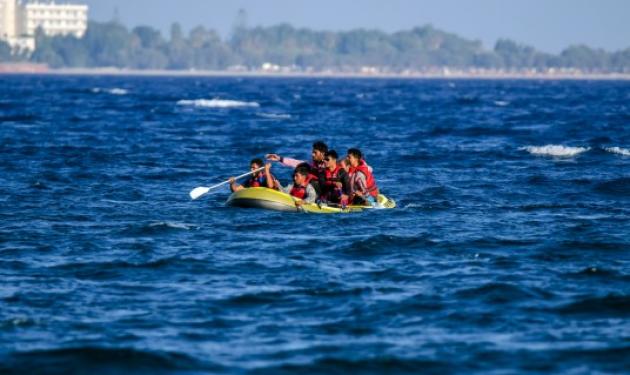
[[39, 70]]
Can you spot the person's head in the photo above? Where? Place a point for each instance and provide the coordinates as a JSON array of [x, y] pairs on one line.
[[299, 175], [330, 158], [304, 166], [319, 149], [255, 164], [345, 164], [354, 157]]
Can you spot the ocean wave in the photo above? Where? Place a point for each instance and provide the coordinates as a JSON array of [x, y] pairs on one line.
[[382, 244], [100, 361], [18, 118], [555, 150], [501, 103], [378, 365], [256, 299], [17, 321], [111, 270], [154, 228], [609, 305], [496, 292], [618, 150], [595, 272], [117, 91], [468, 99], [429, 206], [168, 224], [617, 186], [113, 91], [275, 116], [217, 103]]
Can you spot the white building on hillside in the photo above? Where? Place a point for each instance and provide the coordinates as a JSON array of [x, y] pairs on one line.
[[10, 31], [54, 19], [19, 21], [8, 19]]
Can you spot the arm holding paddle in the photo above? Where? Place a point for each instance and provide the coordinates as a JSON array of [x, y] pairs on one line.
[[234, 186], [269, 179]]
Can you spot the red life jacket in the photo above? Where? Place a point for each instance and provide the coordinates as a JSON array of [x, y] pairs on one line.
[[298, 191], [331, 191], [260, 181], [369, 178], [256, 182], [332, 175]]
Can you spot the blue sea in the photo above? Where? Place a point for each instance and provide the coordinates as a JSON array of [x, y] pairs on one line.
[[508, 253]]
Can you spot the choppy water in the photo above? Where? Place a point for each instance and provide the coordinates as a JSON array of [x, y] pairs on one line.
[[509, 251]]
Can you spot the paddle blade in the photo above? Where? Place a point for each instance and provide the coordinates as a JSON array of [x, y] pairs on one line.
[[197, 192]]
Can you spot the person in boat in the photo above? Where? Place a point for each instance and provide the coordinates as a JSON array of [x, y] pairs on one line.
[[300, 187], [317, 165], [336, 183], [362, 187], [258, 179], [312, 179]]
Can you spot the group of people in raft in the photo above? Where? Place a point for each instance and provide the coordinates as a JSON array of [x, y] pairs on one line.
[[326, 179]]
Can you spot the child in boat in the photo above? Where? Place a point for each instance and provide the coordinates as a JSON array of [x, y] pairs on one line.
[[300, 187], [258, 179], [312, 179], [363, 187]]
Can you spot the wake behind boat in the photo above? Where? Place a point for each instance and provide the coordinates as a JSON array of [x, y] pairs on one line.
[[260, 197]]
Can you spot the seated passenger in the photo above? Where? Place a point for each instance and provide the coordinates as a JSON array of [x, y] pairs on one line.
[[312, 179], [301, 188], [363, 187], [258, 179], [336, 181]]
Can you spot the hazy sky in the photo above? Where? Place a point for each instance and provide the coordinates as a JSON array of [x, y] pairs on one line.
[[549, 25]]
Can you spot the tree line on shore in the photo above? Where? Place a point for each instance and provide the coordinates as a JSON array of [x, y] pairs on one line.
[[111, 44]]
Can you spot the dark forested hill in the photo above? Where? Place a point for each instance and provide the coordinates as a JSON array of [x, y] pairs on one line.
[[113, 45]]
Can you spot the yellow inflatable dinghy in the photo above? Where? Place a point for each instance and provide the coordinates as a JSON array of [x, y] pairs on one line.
[[270, 199]]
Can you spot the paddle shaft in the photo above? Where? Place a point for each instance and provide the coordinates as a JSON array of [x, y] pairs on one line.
[[201, 190], [236, 178]]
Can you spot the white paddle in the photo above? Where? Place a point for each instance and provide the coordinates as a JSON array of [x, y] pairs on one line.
[[201, 190]]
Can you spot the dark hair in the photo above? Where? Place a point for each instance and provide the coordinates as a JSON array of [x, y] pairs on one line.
[[301, 170], [332, 154], [305, 166], [355, 152], [320, 146], [258, 162]]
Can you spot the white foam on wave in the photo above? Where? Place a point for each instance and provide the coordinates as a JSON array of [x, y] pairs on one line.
[[501, 103], [217, 103], [114, 91], [618, 150], [555, 150], [275, 116], [117, 91]]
